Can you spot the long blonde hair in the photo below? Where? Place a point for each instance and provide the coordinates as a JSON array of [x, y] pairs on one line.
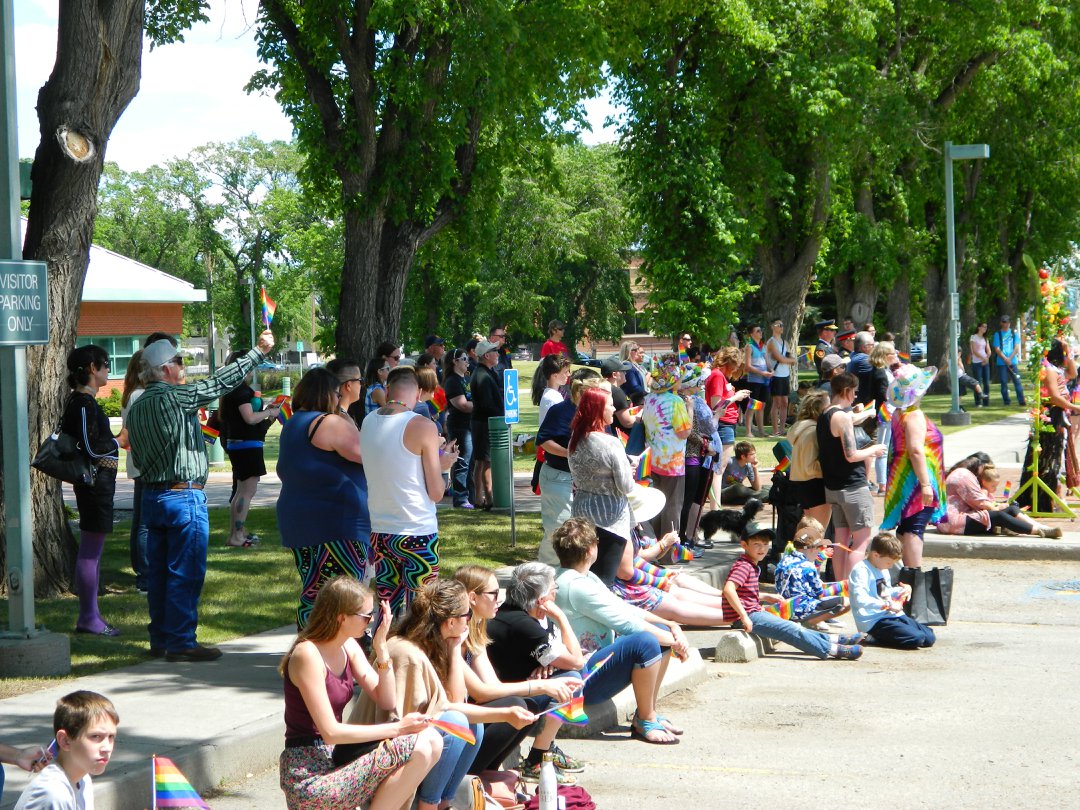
[[340, 596], [433, 604], [475, 578]]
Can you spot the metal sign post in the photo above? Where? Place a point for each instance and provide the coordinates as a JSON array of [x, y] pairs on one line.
[[512, 415]]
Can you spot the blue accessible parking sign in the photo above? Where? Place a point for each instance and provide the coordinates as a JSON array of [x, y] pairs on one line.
[[511, 404]]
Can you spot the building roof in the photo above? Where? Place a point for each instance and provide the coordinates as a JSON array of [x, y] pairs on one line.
[[112, 277]]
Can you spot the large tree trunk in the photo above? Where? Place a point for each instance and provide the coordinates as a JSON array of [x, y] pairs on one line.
[[97, 70], [856, 288]]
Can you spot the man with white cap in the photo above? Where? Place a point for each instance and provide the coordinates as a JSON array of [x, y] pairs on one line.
[[168, 447]]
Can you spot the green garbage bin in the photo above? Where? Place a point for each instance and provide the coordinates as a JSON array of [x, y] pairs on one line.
[[502, 470]]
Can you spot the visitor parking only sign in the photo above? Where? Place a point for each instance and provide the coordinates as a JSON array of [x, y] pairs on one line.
[[24, 303]]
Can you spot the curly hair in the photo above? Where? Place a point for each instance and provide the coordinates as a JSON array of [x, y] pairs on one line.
[[436, 602]]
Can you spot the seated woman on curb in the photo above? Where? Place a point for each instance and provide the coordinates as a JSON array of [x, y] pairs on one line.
[[607, 626], [319, 671], [971, 508], [429, 668], [511, 650]]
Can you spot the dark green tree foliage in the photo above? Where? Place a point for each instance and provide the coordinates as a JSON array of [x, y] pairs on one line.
[[402, 109]]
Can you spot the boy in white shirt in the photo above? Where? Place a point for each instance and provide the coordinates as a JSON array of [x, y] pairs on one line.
[[85, 725], [877, 606]]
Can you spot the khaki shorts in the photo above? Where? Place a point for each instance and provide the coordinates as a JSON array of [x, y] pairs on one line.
[[852, 509]]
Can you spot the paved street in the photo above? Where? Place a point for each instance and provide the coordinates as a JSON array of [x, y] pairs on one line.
[[986, 719]]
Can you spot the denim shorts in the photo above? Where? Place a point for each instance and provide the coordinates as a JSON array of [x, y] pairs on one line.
[[727, 433], [916, 524]]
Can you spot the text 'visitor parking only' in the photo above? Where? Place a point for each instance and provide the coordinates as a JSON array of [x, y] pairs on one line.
[[24, 303]]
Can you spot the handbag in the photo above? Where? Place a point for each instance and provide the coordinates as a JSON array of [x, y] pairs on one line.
[[635, 444], [931, 594], [61, 456], [502, 787]]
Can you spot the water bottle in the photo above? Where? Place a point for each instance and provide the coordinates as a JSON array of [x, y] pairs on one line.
[[549, 784]]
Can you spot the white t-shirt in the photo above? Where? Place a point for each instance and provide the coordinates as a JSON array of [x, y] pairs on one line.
[[779, 369], [51, 790], [132, 470], [551, 396]]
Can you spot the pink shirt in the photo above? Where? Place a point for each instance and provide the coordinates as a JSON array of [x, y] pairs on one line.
[[965, 499]]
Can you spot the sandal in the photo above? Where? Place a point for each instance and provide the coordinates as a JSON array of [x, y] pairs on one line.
[[248, 543], [667, 724], [640, 729]]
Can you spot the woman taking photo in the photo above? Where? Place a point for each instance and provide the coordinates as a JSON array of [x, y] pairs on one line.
[[425, 654], [459, 422], [388, 759], [319, 467], [88, 371]]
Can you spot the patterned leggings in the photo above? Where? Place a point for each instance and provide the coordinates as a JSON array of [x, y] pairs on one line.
[[404, 562], [310, 782], [317, 564]]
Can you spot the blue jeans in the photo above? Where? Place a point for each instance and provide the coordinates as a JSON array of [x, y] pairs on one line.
[[901, 633], [459, 473], [178, 533], [457, 757], [137, 538], [812, 642], [635, 651], [1007, 373], [981, 372]]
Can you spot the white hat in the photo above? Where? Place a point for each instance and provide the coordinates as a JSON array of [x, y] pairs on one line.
[[159, 353], [483, 347], [647, 502]]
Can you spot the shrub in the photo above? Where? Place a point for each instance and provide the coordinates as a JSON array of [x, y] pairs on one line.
[[111, 404]]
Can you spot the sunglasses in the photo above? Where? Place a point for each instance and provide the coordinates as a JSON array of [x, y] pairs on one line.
[[352, 379], [493, 594], [176, 361], [395, 357], [367, 617], [465, 615], [105, 365]]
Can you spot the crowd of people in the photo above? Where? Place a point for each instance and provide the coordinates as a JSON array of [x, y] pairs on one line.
[[451, 680]]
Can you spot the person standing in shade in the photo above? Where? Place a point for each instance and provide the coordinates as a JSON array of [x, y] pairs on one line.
[[859, 365], [246, 428], [167, 443], [826, 330], [498, 337], [1006, 347], [781, 362], [436, 347], [137, 536], [487, 398], [404, 457], [88, 371], [459, 423], [980, 361], [554, 344]]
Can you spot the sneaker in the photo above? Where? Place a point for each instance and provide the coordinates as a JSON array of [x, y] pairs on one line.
[[852, 640], [196, 653], [531, 773], [465, 505], [565, 762], [1053, 532], [846, 653], [703, 543]]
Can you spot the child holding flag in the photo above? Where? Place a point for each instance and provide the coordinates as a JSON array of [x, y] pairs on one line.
[[85, 727], [798, 579], [877, 606]]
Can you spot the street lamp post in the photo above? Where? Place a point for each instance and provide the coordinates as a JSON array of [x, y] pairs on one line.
[[976, 151]]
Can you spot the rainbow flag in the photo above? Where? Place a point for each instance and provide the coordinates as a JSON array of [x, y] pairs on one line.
[[438, 401], [210, 436], [788, 608], [834, 589], [455, 730], [268, 308], [785, 462], [171, 789], [1008, 490], [684, 358], [683, 553], [596, 668], [904, 356], [883, 413], [755, 405], [286, 412], [644, 465], [572, 712]]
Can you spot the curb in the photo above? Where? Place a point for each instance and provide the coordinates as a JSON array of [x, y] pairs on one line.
[[1000, 548]]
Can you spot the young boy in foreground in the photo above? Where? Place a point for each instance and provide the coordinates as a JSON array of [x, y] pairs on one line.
[[85, 726], [877, 606], [742, 605]]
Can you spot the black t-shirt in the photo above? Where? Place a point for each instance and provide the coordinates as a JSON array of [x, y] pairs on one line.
[[556, 428], [621, 403], [98, 438], [235, 427], [838, 472], [519, 643], [457, 386], [486, 394]]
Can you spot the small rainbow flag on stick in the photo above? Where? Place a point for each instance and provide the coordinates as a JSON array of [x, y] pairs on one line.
[[644, 465], [787, 608], [454, 730], [683, 554], [834, 589], [596, 668], [438, 401], [210, 436], [171, 789], [785, 462], [268, 308], [1008, 490], [883, 413], [572, 712], [755, 405]]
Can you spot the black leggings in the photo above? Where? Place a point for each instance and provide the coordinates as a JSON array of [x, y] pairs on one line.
[[1005, 518], [499, 738]]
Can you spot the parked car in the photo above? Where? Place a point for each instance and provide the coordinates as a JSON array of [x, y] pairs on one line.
[[918, 351], [266, 365]]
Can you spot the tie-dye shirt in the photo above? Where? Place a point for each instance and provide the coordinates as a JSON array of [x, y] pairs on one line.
[[664, 414]]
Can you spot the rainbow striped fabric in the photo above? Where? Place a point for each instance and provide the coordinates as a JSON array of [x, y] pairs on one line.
[[572, 712], [755, 405], [644, 466], [171, 789], [683, 553], [268, 308], [210, 436], [903, 497], [834, 589], [438, 400], [883, 413], [785, 462], [454, 730], [787, 608]]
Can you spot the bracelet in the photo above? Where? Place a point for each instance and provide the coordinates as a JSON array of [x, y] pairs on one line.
[[384, 665]]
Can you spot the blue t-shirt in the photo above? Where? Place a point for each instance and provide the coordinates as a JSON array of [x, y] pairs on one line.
[[556, 428], [1006, 340]]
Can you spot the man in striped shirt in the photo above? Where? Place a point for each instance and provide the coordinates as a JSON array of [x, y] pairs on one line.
[[167, 445]]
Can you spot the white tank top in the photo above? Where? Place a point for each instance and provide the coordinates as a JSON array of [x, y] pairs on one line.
[[398, 501]]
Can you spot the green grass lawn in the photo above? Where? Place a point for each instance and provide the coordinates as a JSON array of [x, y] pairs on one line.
[[228, 609]]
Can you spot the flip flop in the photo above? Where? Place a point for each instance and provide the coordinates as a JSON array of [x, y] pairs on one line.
[[640, 729], [671, 727], [246, 544]]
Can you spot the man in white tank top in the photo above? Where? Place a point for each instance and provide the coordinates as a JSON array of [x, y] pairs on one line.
[[405, 458]]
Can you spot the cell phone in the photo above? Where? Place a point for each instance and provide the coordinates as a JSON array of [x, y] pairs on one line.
[[48, 754]]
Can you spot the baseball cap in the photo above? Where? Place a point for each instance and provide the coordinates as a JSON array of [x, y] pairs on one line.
[[484, 346], [832, 362], [757, 530], [613, 365], [433, 340], [159, 353]]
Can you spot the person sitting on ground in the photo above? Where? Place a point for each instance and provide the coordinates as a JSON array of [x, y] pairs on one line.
[[797, 577], [741, 478], [524, 648], [85, 727], [877, 606], [971, 508], [637, 642], [411, 458], [425, 654], [743, 606], [331, 765]]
